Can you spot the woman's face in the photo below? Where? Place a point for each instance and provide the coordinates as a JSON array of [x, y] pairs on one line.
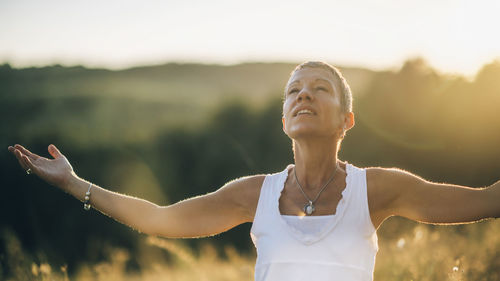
[[312, 105]]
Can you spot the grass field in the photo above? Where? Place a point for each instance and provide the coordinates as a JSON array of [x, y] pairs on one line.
[[407, 251]]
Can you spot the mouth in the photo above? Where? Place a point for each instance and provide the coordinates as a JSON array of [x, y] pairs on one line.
[[304, 112]]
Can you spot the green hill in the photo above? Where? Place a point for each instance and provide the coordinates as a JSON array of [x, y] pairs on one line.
[[133, 105]]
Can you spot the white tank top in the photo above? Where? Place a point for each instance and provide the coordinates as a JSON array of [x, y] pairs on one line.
[[343, 248]]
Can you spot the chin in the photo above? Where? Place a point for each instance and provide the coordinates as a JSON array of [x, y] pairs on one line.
[[305, 132]]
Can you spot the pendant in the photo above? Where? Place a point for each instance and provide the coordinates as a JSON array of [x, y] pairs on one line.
[[309, 208]]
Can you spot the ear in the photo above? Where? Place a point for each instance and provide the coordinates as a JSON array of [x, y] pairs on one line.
[[349, 121], [283, 121]]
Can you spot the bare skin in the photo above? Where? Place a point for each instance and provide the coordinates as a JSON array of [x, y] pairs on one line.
[[316, 133]]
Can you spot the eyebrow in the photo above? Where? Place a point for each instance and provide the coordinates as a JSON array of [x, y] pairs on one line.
[[321, 79], [317, 79]]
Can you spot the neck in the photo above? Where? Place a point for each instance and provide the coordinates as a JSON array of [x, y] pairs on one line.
[[315, 161]]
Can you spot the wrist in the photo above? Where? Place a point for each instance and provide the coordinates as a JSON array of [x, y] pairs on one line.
[[70, 183]]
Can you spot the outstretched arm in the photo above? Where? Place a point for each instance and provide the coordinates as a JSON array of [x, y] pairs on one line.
[[398, 193], [204, 215]]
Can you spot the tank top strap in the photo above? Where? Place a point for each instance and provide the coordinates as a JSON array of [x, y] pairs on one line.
[[269, 194], [359, 197]]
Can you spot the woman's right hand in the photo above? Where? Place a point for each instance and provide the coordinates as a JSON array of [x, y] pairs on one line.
[[57, 171]]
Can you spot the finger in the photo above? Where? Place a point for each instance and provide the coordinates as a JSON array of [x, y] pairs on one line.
[[54, 151], [27, 152], [29, 164], [13, 149], [19, 157], [26, 163]]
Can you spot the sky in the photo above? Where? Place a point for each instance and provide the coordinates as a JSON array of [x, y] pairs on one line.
[[453, 36]]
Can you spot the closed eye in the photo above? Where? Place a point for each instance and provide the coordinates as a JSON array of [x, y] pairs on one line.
[[321, 89], [292, 91]]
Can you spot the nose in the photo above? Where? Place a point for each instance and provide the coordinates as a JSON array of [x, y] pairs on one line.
[[304, 94]]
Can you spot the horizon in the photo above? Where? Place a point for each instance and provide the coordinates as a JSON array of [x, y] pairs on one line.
[[470, 76], [456, 37]]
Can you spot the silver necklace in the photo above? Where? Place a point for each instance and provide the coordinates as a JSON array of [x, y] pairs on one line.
[[309, 207]]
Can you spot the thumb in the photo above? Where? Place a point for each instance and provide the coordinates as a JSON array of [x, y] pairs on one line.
[[54, 151]]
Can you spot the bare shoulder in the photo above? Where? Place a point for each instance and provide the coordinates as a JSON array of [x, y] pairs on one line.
[[378, 177], [390, 178], [382, 185], [244, 193], [384, 174], [244, 186]]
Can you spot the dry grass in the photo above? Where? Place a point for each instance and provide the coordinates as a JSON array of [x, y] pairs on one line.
[[423, 252]]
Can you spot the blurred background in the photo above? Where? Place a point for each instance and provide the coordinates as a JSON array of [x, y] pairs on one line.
[[169, 99]]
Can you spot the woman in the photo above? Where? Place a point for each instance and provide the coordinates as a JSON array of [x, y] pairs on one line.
[[315, 220]]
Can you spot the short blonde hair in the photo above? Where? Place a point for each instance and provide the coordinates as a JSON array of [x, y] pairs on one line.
[[345, 90]]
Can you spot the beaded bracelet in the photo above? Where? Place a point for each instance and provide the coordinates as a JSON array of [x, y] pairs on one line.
[[86, 204]]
